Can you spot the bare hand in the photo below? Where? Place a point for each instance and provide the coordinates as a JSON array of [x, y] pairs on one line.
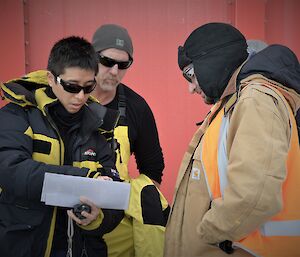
[[104, 178]]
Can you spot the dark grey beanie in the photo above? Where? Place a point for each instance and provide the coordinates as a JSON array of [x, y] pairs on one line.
[[112, 36]]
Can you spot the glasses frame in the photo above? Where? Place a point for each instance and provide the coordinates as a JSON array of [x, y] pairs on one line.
[[109, 62], [188, 73], [75, 88]]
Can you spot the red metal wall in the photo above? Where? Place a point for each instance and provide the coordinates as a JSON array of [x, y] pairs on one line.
[[12, 50], [157, 28]]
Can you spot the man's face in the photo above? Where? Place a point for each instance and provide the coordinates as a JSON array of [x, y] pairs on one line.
[[194, 87], [108, 78], [73, 77]]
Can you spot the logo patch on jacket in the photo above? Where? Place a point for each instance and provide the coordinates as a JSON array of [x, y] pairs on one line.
[[195, 173], [89, 152]]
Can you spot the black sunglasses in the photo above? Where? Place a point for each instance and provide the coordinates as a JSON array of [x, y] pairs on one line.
[[74, 88], [109, 62]]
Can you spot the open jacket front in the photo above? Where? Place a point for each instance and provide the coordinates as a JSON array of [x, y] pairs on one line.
[[237, 170]]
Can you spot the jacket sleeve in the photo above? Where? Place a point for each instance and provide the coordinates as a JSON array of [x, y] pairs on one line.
[[148, 210], [257, 147], [20, 175], [107, 220], [147, 149]]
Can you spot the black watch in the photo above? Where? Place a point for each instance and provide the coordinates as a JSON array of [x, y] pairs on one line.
[[78, 208]]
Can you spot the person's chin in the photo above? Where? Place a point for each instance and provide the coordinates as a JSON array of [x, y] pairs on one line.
[[208, 100], [109, 87], [74, 108]]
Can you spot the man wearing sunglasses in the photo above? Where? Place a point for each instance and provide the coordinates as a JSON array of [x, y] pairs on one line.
[[52, 125], [141, 232], [239, 180]]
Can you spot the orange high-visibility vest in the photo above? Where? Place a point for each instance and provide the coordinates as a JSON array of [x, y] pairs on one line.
[[280, 236]]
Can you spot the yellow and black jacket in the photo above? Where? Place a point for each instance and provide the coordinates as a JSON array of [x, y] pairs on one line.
[[141, 232], [30, 146]]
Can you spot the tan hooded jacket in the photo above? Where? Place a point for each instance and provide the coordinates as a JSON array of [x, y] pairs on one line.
[[255, 174]]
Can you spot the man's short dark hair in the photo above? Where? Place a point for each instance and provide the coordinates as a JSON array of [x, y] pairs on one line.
[[72, 51]]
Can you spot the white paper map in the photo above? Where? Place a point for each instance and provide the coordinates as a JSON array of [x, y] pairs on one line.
[[65, 191]]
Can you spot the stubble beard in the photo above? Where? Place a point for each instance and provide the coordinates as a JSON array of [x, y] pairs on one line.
[[108, 86]]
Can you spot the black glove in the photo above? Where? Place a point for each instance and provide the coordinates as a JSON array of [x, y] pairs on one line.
[[114, 174], [226, 246]]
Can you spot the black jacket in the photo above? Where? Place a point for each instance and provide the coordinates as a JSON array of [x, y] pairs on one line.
[[142, 130], [279, 63], [276, 62], [30, 146]]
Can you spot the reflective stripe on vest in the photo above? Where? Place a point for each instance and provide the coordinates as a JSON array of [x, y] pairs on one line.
[[222, 153], [219, 126], [279, 236], [281, 228]]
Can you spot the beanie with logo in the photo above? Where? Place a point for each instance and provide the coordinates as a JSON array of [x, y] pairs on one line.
[[112, 36]]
